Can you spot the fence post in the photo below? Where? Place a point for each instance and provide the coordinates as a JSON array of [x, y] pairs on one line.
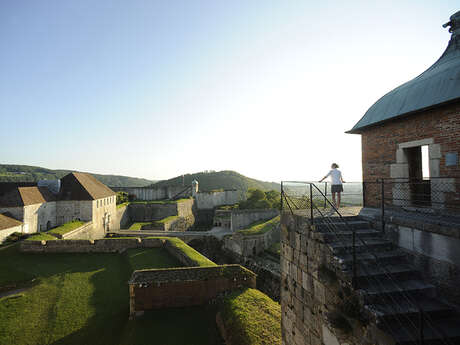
[[325, 194], [382, 189], [282, 194], [421, 325], [311, 203], [364, 194], [353, 282]]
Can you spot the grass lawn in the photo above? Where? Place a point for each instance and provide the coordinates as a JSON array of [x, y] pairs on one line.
[[252, 318], [261, 227], [83, 299], [138, 225], [67, 227], [42, 236], [200, 259]]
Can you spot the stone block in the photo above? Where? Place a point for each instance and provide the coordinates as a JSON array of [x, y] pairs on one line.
[[399, 170], [320, 292], [434, 168], [401, 156], [434, 151], [328, 337]]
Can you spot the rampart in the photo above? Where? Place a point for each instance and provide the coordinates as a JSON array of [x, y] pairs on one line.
[[150, 193], [249, 245], [181, 287], [242, 218], [210, 200]]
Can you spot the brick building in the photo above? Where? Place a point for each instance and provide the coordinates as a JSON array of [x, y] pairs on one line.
[[79, 196], [413, 134]]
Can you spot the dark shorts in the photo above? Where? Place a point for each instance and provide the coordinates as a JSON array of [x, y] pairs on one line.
[[336, 188]]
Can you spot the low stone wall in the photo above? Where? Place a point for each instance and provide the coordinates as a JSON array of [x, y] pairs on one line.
[[242, 218], [89, 246], [182, 287], [150, 193], [250, 245]]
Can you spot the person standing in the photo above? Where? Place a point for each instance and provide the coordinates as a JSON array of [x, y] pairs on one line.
[[337, 183]]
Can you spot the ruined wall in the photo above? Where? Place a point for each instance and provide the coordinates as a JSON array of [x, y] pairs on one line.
[[242, 218], [187, 287], [210, 200]]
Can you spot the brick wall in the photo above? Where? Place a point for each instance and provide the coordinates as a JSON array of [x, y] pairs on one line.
[[381, 143]]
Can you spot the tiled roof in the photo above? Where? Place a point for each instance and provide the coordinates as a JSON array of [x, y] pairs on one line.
[[438, 85], [7, 221], [83, 186], [24, 196]]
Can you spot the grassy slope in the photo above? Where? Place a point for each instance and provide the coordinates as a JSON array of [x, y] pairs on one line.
[[42, 236], [252, 318], [226, 179], [83, 299], [67, 227], [200, 259], [9, 173], [261, 227]]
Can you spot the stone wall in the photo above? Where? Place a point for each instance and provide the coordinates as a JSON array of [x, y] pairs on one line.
[[183, 287], [148, 212], [250, 245], [90, 246], [210, 200], [150, 193], [240, 219], [121, 219], [432, 244], [313, 293], [4, 233], [84, 232], [36, 217]]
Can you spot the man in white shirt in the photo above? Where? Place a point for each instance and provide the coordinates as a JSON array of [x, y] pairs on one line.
[[337, 180]]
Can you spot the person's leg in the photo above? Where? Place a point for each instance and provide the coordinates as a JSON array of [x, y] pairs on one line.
[[333, 199], [338, 199]]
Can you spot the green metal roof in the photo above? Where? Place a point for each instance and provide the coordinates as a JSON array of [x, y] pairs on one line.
[[438, 85]]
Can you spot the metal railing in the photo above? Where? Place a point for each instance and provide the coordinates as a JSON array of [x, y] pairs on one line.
[[308, 197]]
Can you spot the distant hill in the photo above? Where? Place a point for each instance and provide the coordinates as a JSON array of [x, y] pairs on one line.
[[225, 179], [26, 173]]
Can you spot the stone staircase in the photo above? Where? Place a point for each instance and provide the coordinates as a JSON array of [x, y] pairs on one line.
[[392, 291]]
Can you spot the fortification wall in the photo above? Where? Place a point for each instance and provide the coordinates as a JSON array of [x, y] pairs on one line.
[[250, 245], [150, 193], [89, 246], [121, 218], [210, 200], [242, 218], [148, 212]]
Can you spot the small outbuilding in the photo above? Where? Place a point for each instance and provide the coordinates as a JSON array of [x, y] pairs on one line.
[[411, 136]]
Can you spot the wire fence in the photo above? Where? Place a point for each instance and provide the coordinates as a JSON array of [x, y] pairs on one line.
[[435, 195]]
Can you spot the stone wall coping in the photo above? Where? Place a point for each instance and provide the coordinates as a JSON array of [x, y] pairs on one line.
[[190, 274]]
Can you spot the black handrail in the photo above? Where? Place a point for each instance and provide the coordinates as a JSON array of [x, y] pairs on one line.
[[423, 317]]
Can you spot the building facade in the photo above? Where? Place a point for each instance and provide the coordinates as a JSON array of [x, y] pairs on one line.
[[79, 197]]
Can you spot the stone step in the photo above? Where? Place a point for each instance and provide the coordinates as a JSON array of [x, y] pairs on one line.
[[331, 236], [370, 273], [409, 309], [380, 292], [370, 245], [443, 331], [383, 258], [341, 225]]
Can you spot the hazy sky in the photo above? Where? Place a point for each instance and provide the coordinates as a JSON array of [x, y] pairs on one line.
[[155, 89]]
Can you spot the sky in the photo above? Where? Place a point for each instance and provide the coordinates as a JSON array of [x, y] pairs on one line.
[[156, 89]]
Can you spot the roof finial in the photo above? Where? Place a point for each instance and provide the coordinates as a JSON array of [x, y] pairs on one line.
[[454, 23]]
